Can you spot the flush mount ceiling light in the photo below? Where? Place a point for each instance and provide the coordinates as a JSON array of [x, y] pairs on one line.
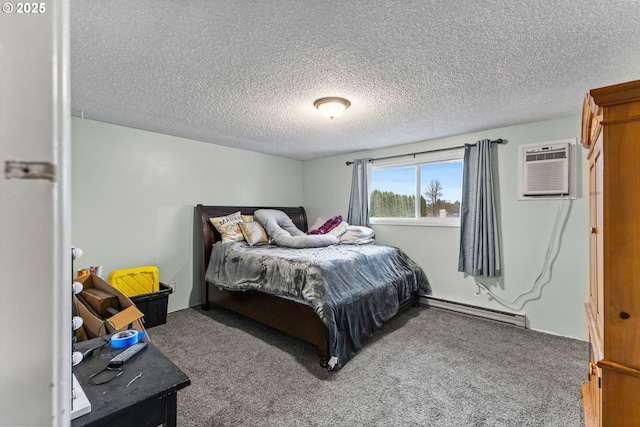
[[332, 106]]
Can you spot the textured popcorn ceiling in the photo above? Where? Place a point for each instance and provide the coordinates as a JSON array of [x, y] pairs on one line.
[[245, 73]]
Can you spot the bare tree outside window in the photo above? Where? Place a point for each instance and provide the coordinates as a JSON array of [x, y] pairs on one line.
[[433, 195]]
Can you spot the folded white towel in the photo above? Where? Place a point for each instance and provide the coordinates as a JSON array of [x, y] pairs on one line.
[[358, 235]]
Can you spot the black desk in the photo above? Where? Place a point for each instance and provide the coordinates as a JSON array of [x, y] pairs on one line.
[[149, 400]]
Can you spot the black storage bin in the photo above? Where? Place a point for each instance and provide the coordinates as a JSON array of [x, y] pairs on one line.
[[154, 306]]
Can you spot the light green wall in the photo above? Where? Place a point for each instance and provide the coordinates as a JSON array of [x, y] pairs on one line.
[[525, 229], [134, 193]]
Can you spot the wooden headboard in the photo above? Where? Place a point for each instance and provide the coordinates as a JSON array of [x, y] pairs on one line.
[[210, 235]]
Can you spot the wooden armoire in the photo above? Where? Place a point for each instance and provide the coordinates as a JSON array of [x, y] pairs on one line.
[[611, 134]]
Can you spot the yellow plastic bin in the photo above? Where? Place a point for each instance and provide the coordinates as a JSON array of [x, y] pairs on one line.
[[136, 281], [142, 285]]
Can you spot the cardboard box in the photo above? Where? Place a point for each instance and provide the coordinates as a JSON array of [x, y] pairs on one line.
[[129, 316], [100, 300]]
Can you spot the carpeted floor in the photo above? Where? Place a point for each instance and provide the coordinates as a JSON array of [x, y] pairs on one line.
[[426, 367]]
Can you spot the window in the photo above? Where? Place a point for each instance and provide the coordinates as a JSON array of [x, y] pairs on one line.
[[425, 190]]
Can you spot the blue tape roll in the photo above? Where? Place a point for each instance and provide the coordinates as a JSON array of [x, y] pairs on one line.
[[124, 339]]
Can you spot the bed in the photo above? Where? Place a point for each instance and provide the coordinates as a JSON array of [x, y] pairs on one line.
[[295, 314]]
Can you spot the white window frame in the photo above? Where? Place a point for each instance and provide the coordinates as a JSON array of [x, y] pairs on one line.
[[425, 159]]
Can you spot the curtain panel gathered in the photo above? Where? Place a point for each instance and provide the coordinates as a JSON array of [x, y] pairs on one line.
[[358, 213], [479, 245]]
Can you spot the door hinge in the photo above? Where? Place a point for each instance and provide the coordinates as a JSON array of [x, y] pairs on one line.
[[29, 170], [599, 382]]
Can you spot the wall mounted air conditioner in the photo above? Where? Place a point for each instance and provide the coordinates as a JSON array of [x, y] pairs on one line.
[[546, 170]]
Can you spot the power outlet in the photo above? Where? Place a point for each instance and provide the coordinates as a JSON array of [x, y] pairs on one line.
[[172, 285]]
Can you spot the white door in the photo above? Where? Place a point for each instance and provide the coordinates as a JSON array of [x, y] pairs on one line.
[[35, 264]]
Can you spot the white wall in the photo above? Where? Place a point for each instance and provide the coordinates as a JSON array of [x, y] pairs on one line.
[[525, 228], [134, 193]]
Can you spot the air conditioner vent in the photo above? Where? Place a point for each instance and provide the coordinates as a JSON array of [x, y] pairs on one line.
[[547, 156], [546, 170]]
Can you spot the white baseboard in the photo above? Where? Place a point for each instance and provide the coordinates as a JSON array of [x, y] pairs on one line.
[[515, 319]]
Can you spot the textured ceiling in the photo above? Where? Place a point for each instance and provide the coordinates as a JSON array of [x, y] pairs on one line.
[[245, 73]]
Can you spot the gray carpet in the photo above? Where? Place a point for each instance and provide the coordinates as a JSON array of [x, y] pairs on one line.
[[426, 367]]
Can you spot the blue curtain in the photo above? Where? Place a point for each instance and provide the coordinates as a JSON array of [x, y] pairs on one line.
[[359, 201], [479, 246]]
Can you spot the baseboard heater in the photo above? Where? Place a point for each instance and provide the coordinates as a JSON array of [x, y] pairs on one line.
[[486, 313]]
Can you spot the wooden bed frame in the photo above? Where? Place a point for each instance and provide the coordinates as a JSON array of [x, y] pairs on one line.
[[288, 316]]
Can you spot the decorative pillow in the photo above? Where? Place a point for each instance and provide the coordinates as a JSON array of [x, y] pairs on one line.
[[329, 225], [228, 228], [232, 233], [317, 224], [253, 232]]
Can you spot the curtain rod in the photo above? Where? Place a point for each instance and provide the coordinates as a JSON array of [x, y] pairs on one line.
[[497, 141]]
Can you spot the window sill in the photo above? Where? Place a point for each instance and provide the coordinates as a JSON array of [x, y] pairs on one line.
[[453, 222]]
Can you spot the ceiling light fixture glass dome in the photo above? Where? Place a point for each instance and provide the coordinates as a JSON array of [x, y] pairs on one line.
[[331, 107]]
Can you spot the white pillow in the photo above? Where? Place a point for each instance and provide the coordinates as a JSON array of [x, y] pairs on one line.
[[339, 229]]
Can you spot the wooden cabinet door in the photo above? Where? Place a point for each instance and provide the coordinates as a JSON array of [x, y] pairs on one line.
[[621, 234], [596, 264], [619, 399]]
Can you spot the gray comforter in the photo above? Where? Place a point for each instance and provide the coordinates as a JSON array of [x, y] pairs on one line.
[[353, 288]]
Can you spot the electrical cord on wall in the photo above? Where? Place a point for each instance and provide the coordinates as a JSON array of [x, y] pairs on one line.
[[483, 289]]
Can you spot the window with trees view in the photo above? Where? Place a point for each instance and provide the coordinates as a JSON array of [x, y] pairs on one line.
[[426, 190]]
